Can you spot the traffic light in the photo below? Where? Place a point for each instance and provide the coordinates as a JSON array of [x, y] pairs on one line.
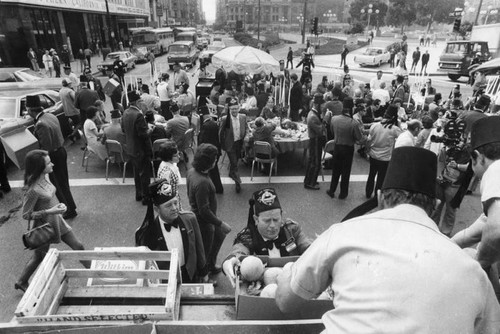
[[315, 25], [456, 24]]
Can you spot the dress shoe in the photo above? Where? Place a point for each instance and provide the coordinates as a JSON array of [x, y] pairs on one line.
[[22, 287], [70, 214], [238, 187], [330, 193], [314, 187]]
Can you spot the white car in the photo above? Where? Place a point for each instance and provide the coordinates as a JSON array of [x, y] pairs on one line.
[[373, 56], [206, 55]]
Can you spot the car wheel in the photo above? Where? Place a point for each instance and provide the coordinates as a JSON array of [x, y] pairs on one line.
[[133, 65], [380, 63], [453, 77], [171, 67]]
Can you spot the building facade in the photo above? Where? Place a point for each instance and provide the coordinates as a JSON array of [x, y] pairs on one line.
[[181, 12], [46, 24]]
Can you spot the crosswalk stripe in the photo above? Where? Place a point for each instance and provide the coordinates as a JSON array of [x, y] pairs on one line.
[[225, 180]]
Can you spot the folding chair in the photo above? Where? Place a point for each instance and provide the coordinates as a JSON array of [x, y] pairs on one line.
[[329, 146], [263, 154], [87, 152], [116, 155]]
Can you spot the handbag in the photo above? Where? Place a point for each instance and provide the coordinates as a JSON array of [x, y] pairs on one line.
[[38, 236]]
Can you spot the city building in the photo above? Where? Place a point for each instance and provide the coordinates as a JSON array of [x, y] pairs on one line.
[[46, 24], [181, 12]]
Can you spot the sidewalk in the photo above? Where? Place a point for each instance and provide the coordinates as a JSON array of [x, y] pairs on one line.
[[94, 61], [326, 62]]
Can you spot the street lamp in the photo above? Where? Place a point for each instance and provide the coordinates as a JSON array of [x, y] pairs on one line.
[[488, 12], [369, 11], [300, 18], [282, 20]]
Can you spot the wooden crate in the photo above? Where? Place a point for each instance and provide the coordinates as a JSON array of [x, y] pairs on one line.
[[57, 294]]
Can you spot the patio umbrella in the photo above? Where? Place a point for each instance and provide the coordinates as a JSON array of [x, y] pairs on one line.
[[245, 60], [489, 66]]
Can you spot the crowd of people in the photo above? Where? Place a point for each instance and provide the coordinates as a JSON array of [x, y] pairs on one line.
[[421, 147]]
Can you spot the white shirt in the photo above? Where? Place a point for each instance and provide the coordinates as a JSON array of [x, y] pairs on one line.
[[405, 139], [375, 83], [163, 91], [173, 239], [74, 80], [394, 272], [490, 183], [236, 127], [382, 95]]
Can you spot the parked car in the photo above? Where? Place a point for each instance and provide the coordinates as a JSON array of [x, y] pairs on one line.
[[107, 65], [13, 113], [457, 56], [182, 52], [206, 55], [373, 56], [12, 78], [140, 53], [202, 43]]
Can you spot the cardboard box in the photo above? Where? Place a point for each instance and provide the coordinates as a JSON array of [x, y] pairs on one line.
[[111, 86], [260, 308], [17, 143]]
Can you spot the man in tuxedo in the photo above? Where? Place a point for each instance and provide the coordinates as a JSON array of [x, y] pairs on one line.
[[139, 146], [231, 133], [295, 98], [172, 228]]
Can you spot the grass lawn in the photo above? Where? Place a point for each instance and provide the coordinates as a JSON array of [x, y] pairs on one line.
[[332, 46]]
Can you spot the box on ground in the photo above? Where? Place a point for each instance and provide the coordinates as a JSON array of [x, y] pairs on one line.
[[17, 143], [260, 308]]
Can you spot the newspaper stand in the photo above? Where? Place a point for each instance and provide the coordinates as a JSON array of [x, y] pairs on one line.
[[58, 292]]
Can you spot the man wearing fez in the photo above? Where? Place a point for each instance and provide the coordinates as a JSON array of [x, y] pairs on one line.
[[392, 271], [231, 133], [485, 143], [316, 131], [266, 233], [171, 229], [49, 135], [139, 146]]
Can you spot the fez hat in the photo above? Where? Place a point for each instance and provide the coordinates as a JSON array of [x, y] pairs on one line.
[[233, 102], [413, 169], [161, 191], [33, 101], [115, 113], [264, 200], [133, 96], [485, 131], [483, 102], [318, 98]]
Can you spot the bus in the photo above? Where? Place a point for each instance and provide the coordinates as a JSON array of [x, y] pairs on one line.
[[154, 40], [178, 30]]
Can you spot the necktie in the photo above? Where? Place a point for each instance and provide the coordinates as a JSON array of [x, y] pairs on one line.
[[169, 226], [271, 243]]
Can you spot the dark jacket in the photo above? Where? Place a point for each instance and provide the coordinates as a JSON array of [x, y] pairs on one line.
[[250, 242], [136, 132], [296, 96], [209, 134], [85, 98], [150, 235]]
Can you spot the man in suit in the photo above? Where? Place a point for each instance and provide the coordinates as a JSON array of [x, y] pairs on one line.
[[84, 99], [139, 146], [48, 133], [95, 84], [231, 133], [172, 228], [295, 98], [33, 58], [209, 134], [177, 127]]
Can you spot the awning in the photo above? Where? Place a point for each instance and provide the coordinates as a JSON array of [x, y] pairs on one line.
[[132, 22]]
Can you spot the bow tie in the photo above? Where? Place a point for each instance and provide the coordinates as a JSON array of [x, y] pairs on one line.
[[271, 243], [168, 227]]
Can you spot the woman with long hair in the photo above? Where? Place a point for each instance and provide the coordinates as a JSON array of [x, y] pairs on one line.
[[40, 204], [168, 169]]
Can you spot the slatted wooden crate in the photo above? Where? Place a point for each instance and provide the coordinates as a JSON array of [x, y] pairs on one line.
[[57, 294]]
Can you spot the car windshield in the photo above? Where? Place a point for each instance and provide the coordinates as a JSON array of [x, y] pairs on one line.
[[456, 48], [28, 75], [7, 108], [178, 48], [113, 56], [372, 52]]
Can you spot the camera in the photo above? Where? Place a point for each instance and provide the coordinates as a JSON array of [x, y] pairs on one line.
[[453, 133]]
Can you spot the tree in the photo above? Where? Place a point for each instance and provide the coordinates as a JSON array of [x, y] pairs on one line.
[[465, 28], [429, 11], [358, 5], [401, 13]]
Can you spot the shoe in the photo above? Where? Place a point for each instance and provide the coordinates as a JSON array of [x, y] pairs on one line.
[[330, 193], [138, 198], [315, 187], [22, 287], [70, 214], [238, 187], [215, 270], [342, 196]]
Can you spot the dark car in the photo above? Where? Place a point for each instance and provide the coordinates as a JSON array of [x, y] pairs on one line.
[[107, 65], [12, 78]]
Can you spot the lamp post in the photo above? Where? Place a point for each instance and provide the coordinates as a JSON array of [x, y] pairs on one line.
[[478, 11], [304, 23], [328, 15], [282, 20], [300, 18], [369, 11], [488, 12], [258, 22]]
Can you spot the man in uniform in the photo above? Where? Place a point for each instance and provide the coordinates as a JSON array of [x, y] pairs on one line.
[[266, 233], [173, 228], [48, 133], [393, 271], [138, 146], [231, 133]]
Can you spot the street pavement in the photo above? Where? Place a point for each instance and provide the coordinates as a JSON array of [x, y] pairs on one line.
[[108, 215]]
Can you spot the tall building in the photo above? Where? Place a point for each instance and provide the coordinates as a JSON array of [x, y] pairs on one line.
[[78, 23], [272, 12], [182, 12]]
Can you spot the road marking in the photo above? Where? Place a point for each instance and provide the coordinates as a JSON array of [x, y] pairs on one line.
[[225, 180]]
